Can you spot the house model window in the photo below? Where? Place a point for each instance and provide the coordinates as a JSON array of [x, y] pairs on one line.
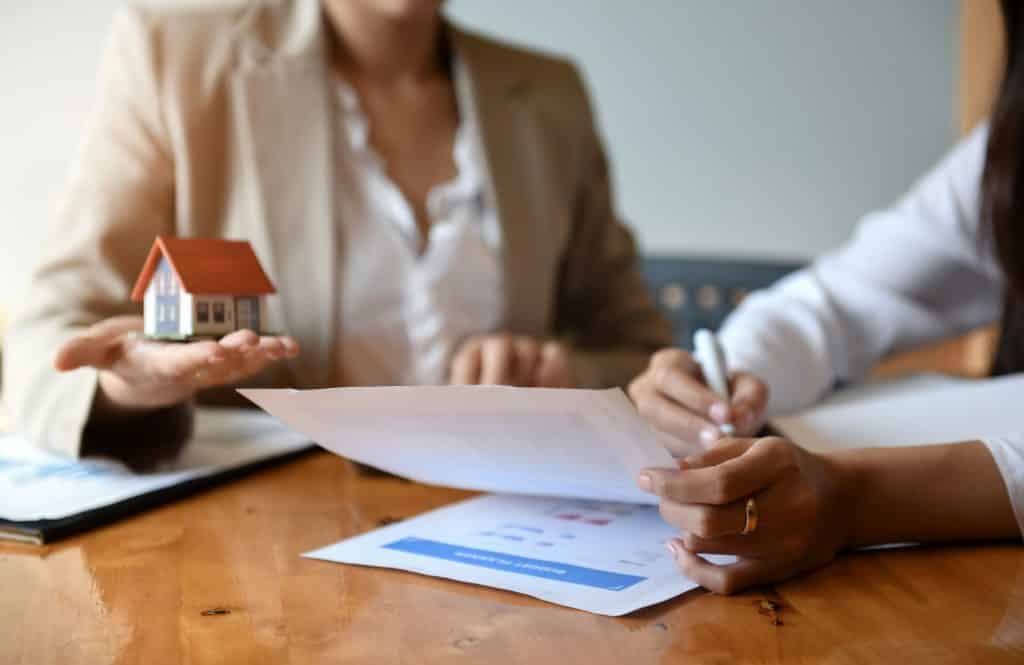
[[201, 287]]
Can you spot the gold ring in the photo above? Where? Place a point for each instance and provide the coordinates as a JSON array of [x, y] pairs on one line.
[[750, 526]]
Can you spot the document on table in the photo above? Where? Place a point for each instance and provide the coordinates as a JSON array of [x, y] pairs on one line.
[[586, 444], [602, 557], [36, 485], [914, 411], [570, 526]]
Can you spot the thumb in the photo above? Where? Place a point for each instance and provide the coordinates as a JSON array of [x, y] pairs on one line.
[[97, 346]]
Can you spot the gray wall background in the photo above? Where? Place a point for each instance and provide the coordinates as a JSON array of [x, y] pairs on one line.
[[739, 127], [753, 127]]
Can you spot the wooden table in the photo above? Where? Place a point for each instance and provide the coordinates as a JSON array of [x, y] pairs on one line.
[[141, 591]]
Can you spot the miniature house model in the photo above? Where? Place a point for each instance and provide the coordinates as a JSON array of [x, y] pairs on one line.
[[201, 287]]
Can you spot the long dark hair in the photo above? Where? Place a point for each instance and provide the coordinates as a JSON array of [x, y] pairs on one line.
[[1002, 191]]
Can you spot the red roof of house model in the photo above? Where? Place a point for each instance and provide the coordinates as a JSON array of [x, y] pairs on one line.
[[207, 266]]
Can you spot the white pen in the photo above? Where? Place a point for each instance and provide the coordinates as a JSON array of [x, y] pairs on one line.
[[708, 353]]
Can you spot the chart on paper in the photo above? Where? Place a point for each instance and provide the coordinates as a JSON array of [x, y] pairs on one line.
[[575, 525], [602, 557]]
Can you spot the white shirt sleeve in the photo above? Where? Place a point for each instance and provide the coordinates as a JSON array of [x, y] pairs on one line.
[[912, 274], [915, 273], [1008, 452]]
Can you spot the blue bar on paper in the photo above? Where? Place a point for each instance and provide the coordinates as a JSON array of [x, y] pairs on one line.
[[552, 570]]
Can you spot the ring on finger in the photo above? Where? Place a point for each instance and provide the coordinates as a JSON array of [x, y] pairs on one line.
[[752, 518]]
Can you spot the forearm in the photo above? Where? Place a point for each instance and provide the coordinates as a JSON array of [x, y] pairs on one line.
[[141, 440], [109, 404], [938, 493]]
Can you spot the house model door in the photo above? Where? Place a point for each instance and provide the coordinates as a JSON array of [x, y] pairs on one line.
[[247, 313]]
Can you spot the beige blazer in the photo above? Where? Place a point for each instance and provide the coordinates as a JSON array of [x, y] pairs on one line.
[[216, 124]]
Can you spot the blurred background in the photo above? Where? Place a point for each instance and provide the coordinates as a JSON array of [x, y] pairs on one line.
[[738, 129], [744, 128]]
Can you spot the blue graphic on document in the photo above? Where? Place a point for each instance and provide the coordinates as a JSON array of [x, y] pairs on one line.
[[552, 570]]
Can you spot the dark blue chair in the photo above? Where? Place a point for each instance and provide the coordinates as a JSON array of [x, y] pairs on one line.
[[699, 292]]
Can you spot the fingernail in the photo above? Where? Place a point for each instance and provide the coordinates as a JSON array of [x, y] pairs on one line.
[[673, 548], [719, 413], [709, 435], [645, 482]]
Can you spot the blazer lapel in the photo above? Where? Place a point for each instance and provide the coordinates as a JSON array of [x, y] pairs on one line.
[[499, 99], [282, 109]]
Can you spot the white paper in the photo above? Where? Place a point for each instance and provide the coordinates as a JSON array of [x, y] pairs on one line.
[[913, 411], [588, 444], [602, 557], [36, 484]]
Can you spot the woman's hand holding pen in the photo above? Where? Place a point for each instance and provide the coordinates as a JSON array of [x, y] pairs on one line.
[[777, 507], [802, 505], [139, 374], [674, 397]]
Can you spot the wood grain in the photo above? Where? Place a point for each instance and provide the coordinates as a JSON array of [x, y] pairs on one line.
[[136, 592]]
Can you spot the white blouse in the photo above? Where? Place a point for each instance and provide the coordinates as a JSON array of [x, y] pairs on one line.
[[915, 273], [403, 314]]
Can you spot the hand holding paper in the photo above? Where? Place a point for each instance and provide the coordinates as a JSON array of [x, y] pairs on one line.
[[582, 448]]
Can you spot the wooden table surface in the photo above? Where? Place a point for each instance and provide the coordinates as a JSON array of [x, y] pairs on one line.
[[136, 592]]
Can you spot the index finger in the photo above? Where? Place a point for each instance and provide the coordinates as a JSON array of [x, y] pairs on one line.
[[684, 387], [496, 359], [754, 466]]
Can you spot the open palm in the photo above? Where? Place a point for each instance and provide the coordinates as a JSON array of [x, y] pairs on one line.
[[137, 374]]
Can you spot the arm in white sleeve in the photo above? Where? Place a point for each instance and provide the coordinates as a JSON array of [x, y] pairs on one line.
[[1008, 453], [912, 274]]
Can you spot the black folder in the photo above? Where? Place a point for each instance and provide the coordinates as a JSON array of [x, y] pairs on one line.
[[40, 532]]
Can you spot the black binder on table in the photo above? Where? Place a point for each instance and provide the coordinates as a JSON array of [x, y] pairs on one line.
[[40, 532]]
